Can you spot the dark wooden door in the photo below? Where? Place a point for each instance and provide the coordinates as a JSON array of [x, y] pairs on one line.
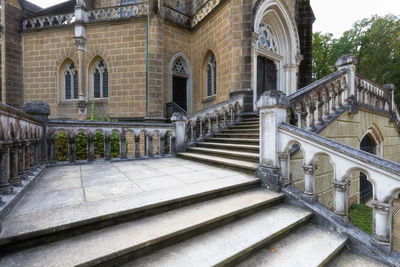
[[179, 92], [266, 75]]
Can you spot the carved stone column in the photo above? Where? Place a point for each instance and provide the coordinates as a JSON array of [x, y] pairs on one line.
[[122, 145], [5, 187], [149, 145], [107, 147], [382, 222], [310, 118], [71, 148], [341, 197], [14, 180], [51, 142], [284, 159], [90, 147], [137, 145], [21, 161], [180, 130], [309, 180]]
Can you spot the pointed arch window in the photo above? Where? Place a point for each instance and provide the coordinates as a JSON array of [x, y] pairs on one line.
[[70, 81], [100, 79], [211, 75]]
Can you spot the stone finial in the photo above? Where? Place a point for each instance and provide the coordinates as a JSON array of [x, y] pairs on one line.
[[389, 87], [346, 60], [273, 98], [36, 108], [177, 116]]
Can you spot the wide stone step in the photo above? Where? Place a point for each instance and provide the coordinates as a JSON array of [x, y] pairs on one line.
[[234, 147], [113, 242], [248, 123], [348, 259], [249, 141], [19, 232], [245, 126], [309, 246], [251, 130], [239, 135], [224, 245], [234, 163], [253, 157]]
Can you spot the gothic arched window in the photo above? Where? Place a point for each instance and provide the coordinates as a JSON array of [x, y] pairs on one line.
[[70, 81], [210, 75], [267, 38], [100, 79]]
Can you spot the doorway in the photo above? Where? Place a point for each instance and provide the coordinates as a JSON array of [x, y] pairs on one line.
[[179, 92], [266, 75]]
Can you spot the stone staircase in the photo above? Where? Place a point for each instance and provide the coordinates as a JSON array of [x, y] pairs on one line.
[[229, 223], [236, 147]]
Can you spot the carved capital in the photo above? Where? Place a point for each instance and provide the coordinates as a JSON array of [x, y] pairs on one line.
[[81, 43], [283, 155], [310, 169], [342, 186], [381, 207]]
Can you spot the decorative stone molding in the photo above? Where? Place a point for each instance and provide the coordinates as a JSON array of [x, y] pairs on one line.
[[342, 186], [204, 11]]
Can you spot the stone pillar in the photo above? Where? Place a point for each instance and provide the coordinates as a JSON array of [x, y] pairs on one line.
[[272, 107], [90, 147], [341, 197], [21, 161], [107, 147], [51, 143], [162, 145], [149, 144], [122, 144], [382, 222], [5, 187], [14, 165], [349, 62], [37, 154], [180, 130], [284, 159], [309, 181], [41, 112], [391, 88], [310, 117], [137, 145], [71, 149]]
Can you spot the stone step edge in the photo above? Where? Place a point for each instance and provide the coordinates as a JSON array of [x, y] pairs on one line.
[[229, 145], [229, 162], [37, 236], [248, 140], [225, 152]]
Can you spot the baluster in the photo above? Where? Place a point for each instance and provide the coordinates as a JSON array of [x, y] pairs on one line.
[[209, 124], [5, 187], [325, 114], [149, 145], [191, 132], [332, 103], [162, 145], [51, 141], [320, 111], [341, 197], [14, 165], [284, 159], [310, 117], [71, 148], [90, 147], [309, 180], [107, 146], [21, 161], [382, 218], [137, 145], [122, 143]]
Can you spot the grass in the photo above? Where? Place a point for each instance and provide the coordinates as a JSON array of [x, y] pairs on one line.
[[361, 216]]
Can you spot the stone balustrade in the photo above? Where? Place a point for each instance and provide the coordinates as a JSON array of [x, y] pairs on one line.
[[52, 21], [204, 11], [21, 138], [212, 119], [148, 139], [277, 139], [316, 105], [117, 12]]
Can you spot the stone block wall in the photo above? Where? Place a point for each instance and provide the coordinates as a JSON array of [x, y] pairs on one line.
[[12, 86], [348, 129]]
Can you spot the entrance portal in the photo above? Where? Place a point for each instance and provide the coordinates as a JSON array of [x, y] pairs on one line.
[[179, 95], [266, 75]]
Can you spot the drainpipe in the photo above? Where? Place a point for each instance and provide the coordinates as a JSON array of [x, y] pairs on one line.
[[147, 59]]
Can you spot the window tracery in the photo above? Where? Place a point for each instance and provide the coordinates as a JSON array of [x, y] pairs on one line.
[[100, 79], [267, 38], [179, 67], [211, 75], [70, 81]]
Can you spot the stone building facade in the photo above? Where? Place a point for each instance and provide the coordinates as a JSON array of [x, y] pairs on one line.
[[137, 60]]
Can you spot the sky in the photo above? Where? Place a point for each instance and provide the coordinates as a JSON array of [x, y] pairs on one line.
[[333, 16]]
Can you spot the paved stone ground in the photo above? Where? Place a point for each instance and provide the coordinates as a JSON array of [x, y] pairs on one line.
[[71, 193], [396, 229]]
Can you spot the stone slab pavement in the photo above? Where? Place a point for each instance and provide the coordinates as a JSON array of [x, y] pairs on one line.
[[66, 194]]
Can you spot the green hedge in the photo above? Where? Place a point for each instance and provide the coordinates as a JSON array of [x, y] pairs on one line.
[[81, 146], [361, 216]]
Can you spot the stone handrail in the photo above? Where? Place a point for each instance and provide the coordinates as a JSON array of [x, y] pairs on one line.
[[372, 95], [145, 136], [209, 120], [117, 12], [382, 173], [50, 21], [176, 16], [21, 148]]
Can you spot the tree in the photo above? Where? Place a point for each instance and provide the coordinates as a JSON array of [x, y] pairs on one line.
[[374, 41]]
